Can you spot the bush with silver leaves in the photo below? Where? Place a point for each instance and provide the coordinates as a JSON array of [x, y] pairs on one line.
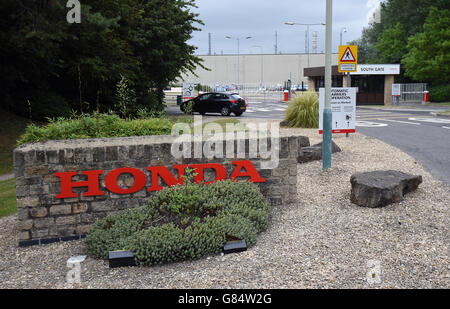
[[184, 222]]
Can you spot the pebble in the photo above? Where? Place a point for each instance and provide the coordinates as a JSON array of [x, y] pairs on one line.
[[324, 241]]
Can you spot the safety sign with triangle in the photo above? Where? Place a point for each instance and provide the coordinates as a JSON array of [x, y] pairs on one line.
[[348, 56]]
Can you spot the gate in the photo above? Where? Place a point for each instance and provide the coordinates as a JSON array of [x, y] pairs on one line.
[[412, 93]]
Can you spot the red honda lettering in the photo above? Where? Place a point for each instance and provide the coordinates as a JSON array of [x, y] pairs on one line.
[[250, 171], [166, 175], [221, 172], [139, 180], [91, 183]]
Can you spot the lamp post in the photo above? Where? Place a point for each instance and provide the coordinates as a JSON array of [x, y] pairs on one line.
[[307, 33], [344, 29], [262, 63], [238, 48], [327, 114]]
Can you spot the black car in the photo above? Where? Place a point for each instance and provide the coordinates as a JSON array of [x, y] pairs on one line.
[[216, 102]]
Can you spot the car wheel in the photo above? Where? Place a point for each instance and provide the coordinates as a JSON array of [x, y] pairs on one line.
[[225, 111], [182, 107]]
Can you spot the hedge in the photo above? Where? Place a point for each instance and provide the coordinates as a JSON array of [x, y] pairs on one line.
[[440, 93], [95, 126]]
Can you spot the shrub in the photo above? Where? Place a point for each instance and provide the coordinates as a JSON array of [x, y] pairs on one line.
[[125, 96], [94, 126], [303, 111], [184, 222], [440, 93]]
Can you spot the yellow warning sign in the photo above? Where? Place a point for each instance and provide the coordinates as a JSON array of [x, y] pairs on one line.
[[348, 58]]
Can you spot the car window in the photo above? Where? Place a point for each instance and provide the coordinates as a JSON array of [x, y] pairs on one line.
[[205, 97], [218, 96]]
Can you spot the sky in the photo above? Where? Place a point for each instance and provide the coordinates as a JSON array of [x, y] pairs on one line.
[[261, 18]]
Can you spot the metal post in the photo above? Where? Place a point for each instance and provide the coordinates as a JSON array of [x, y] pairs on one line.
[[307, 41], [348, 86], [327, 115], [238, 64], [262, 68], [238, 54], [262, 63]]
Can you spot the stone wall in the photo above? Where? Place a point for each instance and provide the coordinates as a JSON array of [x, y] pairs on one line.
[[44, 218]]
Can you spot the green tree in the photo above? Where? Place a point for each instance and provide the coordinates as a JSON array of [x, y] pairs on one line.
[[366, 52], [428, 57], [410, 14], [59, 66], [392, 45]]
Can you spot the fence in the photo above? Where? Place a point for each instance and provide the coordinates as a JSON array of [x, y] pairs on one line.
[[412, 93], [252, 92]]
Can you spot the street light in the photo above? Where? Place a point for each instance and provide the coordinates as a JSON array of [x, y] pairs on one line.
[[327, 114], [238, 39], [342, 30], [306, 34], [262, 63]]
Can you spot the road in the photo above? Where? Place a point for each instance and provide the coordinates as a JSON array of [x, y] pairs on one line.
[[417, 132], [255, 109], [420, 134]]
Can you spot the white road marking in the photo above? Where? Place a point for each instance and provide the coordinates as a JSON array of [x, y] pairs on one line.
[[407, 122], [369, 124], [446, 128], [433, 120]]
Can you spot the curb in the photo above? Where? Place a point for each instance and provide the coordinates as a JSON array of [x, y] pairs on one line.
[[6, 177], [401, 109], [442, 116]]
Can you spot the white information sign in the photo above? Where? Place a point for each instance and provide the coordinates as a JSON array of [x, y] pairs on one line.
[[377, 69], [188, 91], [343, 108], [396, 90]]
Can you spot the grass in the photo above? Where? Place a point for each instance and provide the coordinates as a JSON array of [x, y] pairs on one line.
[[11, 128], [405, 107], [8, 197], [106, 125], [440, 104], [95, 126], [224, 121], [303, 111]]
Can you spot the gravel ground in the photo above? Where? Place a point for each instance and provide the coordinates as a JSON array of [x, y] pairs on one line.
[[323, 242]]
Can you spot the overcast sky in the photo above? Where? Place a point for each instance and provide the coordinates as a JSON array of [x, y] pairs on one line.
[[261, 18]]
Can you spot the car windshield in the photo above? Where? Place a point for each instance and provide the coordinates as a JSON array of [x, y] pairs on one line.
[[236, 96]]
